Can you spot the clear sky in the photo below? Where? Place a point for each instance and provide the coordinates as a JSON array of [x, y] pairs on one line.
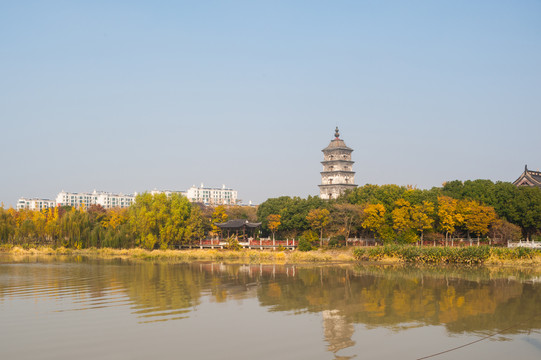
[[128, 96]]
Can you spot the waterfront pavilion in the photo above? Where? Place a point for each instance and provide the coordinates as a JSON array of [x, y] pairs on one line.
[[240, 227]]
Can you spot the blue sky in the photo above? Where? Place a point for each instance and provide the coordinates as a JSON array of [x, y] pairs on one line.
[[128, 96]]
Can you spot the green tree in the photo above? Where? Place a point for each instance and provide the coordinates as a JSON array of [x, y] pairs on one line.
[[195, 228], [293, 212], [318, 220], [346, 218]]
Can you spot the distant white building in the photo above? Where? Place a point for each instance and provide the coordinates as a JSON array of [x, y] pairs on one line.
[[166, 192], [35, 204], [205, 195], [212, 196], [105, 199]]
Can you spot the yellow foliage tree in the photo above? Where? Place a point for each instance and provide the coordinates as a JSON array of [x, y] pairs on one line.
[[218, 216], [401, 215], [374, 217], [52, 227], [477, 217], [421, 217], [40, 221], [448, 215], [273, 224], [116, 217]]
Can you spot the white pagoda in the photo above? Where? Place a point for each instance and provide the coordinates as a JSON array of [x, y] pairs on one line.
[[337, 175]]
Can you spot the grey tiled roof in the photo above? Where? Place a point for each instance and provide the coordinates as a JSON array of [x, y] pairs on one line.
[[337, 144], [237, 224], [529, 178]]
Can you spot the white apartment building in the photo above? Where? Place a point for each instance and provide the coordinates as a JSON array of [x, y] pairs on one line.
[[35, 204], [205, 195], [105, 199], [212, 196]]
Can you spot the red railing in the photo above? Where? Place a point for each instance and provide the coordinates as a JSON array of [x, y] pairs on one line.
[[251, 242]]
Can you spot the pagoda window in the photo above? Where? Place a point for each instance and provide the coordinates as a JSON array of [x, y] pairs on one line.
[[330, 181]]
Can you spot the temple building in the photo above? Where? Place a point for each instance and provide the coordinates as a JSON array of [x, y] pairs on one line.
[[337, 175], [529, 178]]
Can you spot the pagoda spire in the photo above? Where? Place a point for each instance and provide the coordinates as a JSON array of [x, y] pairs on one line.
[[336, 133]]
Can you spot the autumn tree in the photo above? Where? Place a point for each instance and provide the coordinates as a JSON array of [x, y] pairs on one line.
[[401, 215], [318, 220], [402, 221], [421, 217], [273, 222], [477, 218], [504, 231], [374, 218], [195, 228], [114, 218], [218, 216], [160, 219], [448, 215], [7, 225]]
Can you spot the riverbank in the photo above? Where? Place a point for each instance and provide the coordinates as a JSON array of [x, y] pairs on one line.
[[232, 256], [389, 254]]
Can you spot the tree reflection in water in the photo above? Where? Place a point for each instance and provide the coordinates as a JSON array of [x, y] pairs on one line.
[[463, 300]]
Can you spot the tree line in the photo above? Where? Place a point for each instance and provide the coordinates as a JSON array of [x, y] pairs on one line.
[[153, 221], [479, 209]]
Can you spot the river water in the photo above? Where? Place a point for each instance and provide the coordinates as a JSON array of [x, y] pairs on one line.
[[83, 308]]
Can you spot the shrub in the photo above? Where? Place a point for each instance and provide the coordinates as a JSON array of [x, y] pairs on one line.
[[311, 236], [467, 255], [360, 254], [6, 247], [407, 237], [337, 241], [387, 234], [376, 253], [233, 244], [304, 245], [149, 241]]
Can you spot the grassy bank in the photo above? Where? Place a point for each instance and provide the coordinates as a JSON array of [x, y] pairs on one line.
[[381, 254], [449, 255], [241, 256]]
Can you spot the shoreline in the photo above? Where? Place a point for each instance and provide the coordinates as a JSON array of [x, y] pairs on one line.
[[194, 255], [326, 256]]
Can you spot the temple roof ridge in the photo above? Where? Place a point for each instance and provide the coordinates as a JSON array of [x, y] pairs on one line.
[[529, 178]]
